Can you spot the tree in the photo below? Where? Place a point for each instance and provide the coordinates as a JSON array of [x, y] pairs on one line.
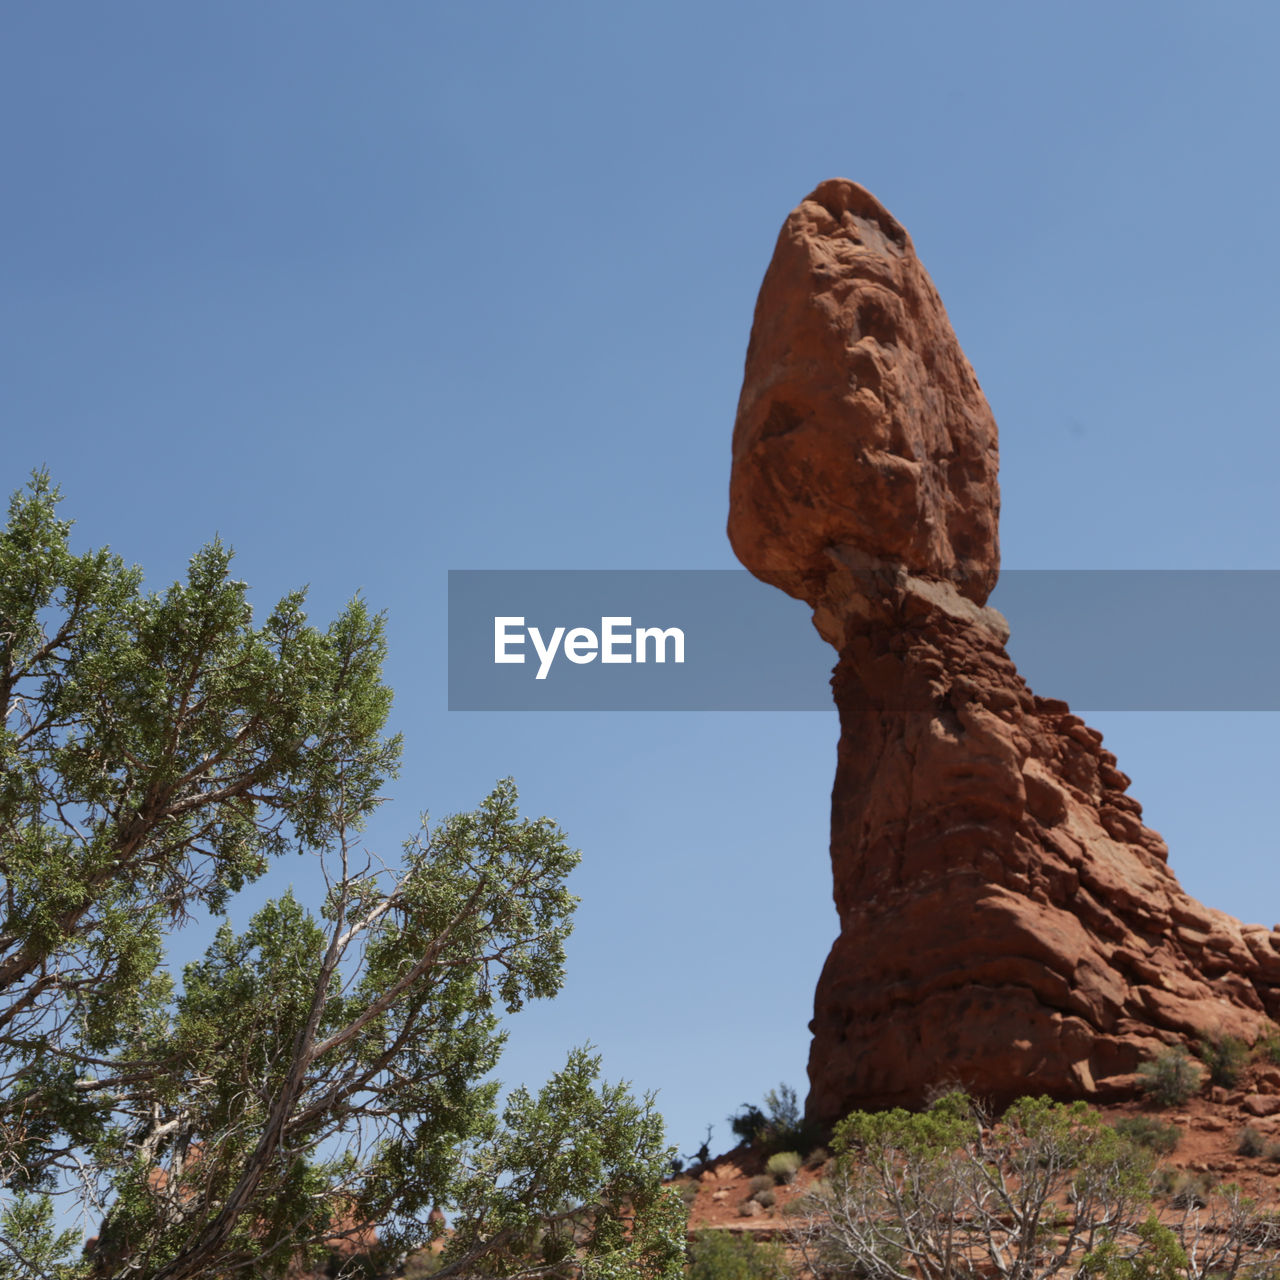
[[778, 1127], [1226, 1234], [949, 1193], [1047, 1190], [323, 1071], [720, 1255], [1154, 1254]]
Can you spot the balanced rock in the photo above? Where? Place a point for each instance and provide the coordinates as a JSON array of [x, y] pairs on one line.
[[1007, 922]]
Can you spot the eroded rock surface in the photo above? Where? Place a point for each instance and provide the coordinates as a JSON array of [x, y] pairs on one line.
[[1007, 922]]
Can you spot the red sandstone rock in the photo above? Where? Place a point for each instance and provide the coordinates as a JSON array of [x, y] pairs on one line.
[[861, 424], [1007, 922]]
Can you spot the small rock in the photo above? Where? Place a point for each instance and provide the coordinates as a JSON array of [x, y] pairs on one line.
[[720, 1195], [1257, 1104], [1267, 1079], [749, 1209]]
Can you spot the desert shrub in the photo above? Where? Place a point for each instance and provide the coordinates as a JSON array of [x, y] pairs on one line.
[[778, 1126], [761, 1182], [766, 1198], [784, 1165], [1190, 1194], [719, 1255], [1267, 1047], [911, 1194], [1150, 1133], [1156, 1255], [1250, 1142], [1182, 1189], [1170, 1078], [688, 1192], [749, 1125], [1271, 1151], [1227, 1234], [420, 1265], [817, 1158], [1225, 1057]]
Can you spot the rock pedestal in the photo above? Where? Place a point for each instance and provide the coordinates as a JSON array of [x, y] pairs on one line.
[[1007, 922]]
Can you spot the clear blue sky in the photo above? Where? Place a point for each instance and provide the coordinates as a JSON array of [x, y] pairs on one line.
[[376, 291]]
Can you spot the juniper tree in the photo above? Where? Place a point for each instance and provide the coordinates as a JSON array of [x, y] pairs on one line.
[[324, 1070]]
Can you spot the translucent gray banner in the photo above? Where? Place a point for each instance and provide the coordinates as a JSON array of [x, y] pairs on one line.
[[719, 640]]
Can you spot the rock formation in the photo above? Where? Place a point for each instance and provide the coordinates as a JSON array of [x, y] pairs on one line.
[[1007, 922]]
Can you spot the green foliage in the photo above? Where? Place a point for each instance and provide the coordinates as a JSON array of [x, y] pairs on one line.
[[784, 1165], [749, 1125], [34, 1248], [1267, 1047], [766, 1198], [1170, 1078], [1148, 1132], [551, 1150], [949, 1192], [1225, 1057], [315, 1072], [656, 1248], [1154, 1254], [778, 1126], [719, 1255], [1046, 1190], [420, 1265], [945, 1127]]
